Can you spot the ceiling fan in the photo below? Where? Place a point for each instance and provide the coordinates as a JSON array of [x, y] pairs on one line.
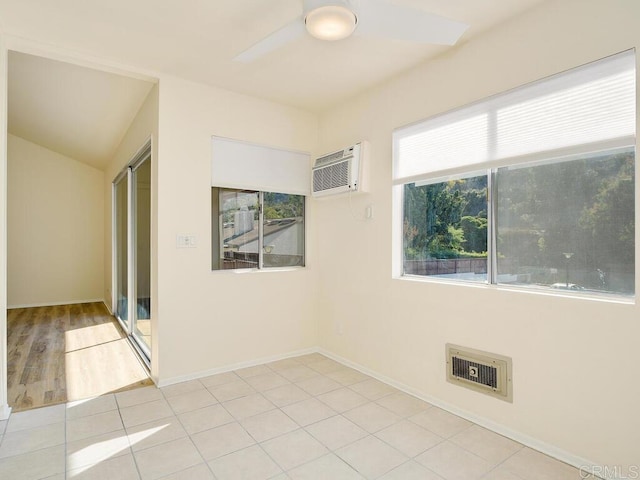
[[337, 19]]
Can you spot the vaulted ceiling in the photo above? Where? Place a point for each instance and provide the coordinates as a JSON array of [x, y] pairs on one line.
[[76, 111]]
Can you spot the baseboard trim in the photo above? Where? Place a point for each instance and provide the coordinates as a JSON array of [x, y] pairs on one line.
[[5, 411], [106, 304], [236, 366], [574, 460], [53, 304]]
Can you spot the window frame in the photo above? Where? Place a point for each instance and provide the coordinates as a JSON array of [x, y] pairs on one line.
[[493, 227]]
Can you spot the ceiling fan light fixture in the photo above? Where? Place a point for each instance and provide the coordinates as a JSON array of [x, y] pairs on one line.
[[331, 22]]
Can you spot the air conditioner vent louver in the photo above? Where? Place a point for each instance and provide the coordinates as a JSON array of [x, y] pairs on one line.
[[332, 157], [331, 176], [481, 371]]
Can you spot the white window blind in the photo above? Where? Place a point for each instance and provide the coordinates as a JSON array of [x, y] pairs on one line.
[[242, 165], [589, 105]]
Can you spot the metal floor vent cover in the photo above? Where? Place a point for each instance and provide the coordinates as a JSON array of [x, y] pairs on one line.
[[481, 371]]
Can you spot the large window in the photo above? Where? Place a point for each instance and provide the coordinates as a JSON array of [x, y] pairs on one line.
[[553, 207], [253, 229]]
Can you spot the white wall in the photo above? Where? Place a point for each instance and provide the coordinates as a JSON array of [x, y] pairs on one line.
[[55, 236], [208, 319], [575, 361]]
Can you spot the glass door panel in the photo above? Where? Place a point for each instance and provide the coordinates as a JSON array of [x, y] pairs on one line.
[[141, 225], [121, 236]]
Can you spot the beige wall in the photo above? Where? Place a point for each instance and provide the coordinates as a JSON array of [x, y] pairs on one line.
[[55, 227], [203, 320], [208, 319], [575, 361]]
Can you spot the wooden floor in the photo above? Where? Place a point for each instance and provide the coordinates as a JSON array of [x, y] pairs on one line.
[[67, 352]]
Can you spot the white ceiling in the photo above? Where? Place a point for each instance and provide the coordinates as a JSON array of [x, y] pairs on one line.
[[197, 40]]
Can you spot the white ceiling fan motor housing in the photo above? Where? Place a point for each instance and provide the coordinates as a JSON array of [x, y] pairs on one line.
[[329, 20]]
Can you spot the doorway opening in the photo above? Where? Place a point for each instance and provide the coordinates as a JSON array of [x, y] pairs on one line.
[[69, 128]]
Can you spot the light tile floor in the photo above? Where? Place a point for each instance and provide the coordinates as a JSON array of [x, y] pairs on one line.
[[303, 418]]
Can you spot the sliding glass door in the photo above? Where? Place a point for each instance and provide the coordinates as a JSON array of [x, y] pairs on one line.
[[132, 250], [121, 250], [141, 183]]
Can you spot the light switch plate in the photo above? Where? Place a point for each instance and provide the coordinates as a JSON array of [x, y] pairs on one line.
[[186, 241]]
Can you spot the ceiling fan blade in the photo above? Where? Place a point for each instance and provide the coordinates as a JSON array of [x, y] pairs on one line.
[[272, 42], [381, 19]]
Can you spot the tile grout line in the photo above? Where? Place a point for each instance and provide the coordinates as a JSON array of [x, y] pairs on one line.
[[126, 432], [259, 444], [338, 414], [373, 434], [374, 400], [189, 435], [300, 427], [304, 428]]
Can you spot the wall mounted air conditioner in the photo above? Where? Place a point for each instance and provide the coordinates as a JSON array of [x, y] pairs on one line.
[[338, 172]]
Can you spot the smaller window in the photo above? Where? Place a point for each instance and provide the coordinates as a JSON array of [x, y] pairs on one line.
[[252, 229]]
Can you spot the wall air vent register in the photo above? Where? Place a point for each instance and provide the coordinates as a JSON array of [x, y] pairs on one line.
[[481, 371]]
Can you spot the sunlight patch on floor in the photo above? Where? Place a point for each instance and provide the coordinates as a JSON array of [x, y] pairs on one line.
[[102, 368], [86, 458], [90, 336]]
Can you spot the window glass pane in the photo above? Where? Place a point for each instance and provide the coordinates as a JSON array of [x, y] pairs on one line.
[[238, 228], [568, 225], [283, 230], [445, 229]]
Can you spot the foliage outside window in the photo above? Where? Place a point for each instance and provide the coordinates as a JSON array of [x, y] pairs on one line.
[[252, 229], [553, 207], [445, 228], [566, 225]]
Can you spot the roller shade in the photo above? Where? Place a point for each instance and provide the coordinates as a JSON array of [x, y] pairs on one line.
[[587, 105], [242, 165]]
